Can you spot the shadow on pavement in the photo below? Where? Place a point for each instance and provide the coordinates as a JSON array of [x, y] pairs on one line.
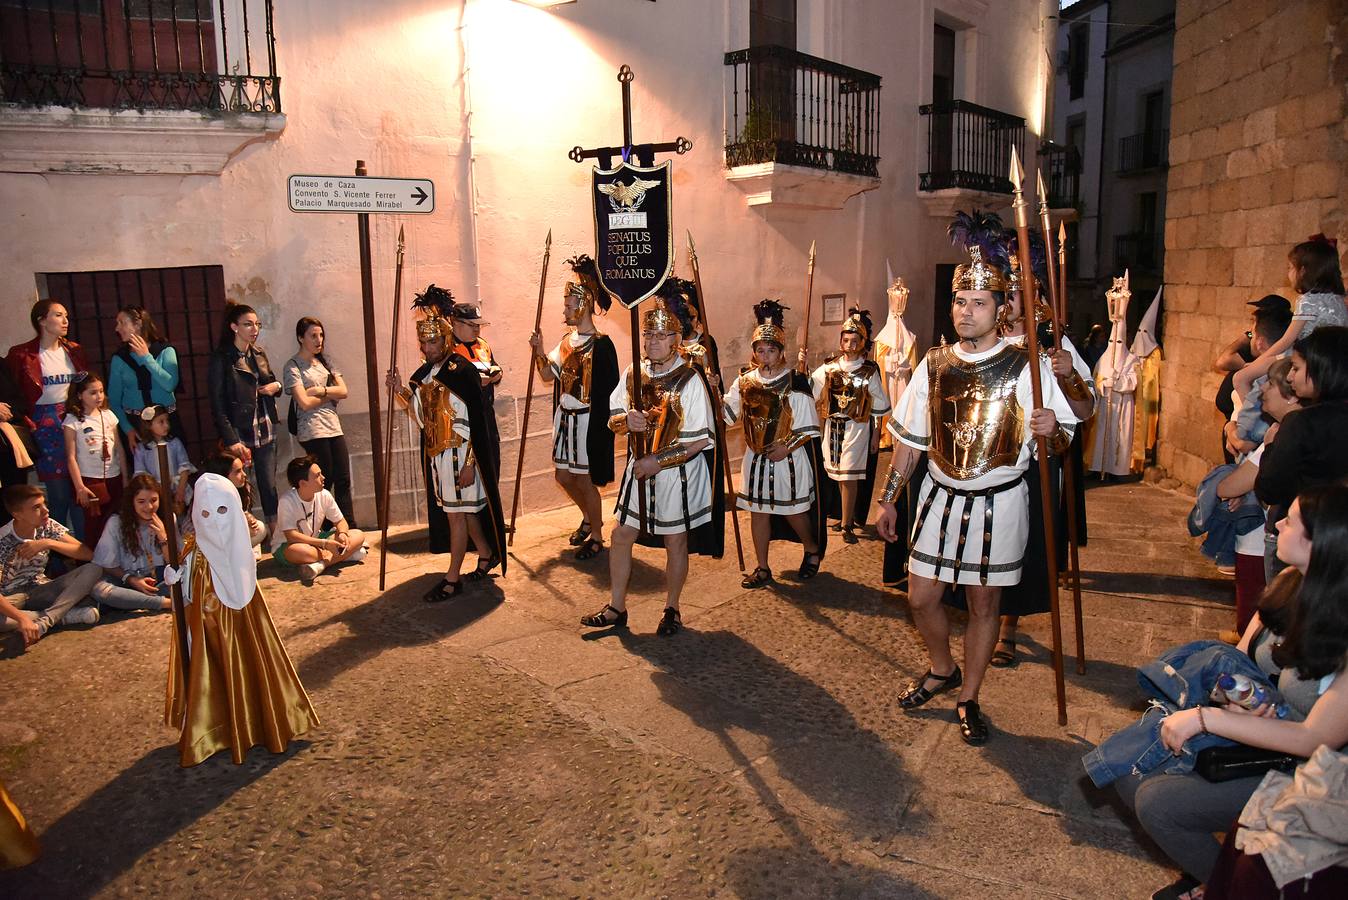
[[725, 684], [396, 618], [1216, 590], [769, 873], [139, 810]]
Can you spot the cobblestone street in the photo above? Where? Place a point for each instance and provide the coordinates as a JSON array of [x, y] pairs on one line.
[[494, 749]]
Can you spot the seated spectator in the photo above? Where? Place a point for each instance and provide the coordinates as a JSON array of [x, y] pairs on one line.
[[26, 544], [154, 424], [131, 551], [1182, 812], [304, 513], [1278, 400], [228, 464], [1314, 273], [1306, 448]]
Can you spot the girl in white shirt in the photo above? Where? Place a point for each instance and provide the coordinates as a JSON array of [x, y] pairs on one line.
[[93, 454]]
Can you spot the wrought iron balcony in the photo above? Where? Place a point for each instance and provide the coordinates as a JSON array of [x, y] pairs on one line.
[[793, 108], [1138, 250], [1148, 150], [1062, 165], [969, 146], [206, 55]]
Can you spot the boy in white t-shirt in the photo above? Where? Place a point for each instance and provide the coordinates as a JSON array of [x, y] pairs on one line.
[[303, 514]]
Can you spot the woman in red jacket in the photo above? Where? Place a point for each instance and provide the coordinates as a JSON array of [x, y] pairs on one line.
[[43, 369]]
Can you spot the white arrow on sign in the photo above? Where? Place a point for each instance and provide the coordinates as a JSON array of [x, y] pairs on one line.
[[360, 194]]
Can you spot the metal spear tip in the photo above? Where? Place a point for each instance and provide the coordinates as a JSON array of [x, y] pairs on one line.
[[547, 245], [1043, 192], [1017, 175], [812, 253], [1062, 233], [692, 251]]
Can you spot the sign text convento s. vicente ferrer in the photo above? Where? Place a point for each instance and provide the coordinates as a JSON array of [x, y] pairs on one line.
[[360, 194]]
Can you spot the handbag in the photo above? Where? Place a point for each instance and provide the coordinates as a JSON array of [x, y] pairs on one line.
[[1218, 764], [292, 419]]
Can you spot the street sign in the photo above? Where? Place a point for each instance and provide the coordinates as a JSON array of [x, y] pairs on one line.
[[360, 194]]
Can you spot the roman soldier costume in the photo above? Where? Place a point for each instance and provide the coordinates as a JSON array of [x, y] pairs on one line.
[[446, 401], [478, 353], [584, 367], [779, 411], [852, 404], [679, 413], [970, 412]]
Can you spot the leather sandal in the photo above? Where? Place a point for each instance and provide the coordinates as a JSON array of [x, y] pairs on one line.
[[670, 623], [580, 534], [483, 570], [849, 536], [1004, 657], [589, 549], [973, 727], [601, 619], [810, 569], [918, 693], [757, 578], [443, 591]]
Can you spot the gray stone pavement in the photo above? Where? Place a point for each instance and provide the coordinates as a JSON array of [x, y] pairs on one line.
[[494, 749]]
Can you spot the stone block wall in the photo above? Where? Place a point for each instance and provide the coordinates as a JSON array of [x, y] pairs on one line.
[[1258, 162]]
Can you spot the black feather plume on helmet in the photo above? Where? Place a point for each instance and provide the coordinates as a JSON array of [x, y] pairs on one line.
[[588, 270], [770, 312], [435, 300], [680, 296]]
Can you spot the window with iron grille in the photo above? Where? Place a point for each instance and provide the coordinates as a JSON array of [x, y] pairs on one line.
[[186, 303], [206, 55]]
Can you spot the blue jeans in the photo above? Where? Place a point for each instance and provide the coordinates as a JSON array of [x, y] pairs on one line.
[[116, 595], [264, 476], [62, 506]]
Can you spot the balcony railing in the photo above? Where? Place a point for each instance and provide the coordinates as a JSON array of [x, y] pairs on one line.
[[1137, 250], [206, 55], [969, 146], [793, 108], [1148, 150], [1062, 166]]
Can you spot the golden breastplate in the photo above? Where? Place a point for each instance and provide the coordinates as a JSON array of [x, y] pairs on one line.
[[978, 425], [847, 395], [662, 403], [766, 412], [577, 364], [694, 354], [437, 418]]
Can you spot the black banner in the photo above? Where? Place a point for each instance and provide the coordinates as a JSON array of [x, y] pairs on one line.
[[633, 230]]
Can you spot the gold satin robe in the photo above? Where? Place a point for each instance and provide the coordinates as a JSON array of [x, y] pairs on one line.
[[242, 689], [18, 845]]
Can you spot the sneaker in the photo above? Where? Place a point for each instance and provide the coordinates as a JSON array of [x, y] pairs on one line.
[[81, 615], [309, 572], [1227, 570], [359, 555]]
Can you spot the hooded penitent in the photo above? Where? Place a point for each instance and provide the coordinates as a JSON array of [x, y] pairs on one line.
[[223, 539]]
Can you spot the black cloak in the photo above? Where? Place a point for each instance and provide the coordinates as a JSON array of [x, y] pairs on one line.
[[599, 437]]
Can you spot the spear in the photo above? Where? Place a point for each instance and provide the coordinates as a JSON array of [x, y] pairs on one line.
[[809, 299], [1069, 478], [388, 432], [529, 390], [719, 404], [170, 520], [1062, 267], [1028, 297]]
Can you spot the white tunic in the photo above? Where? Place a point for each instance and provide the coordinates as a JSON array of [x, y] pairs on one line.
[[678, 498], [445, 467], [847, 443], [784, 487], [935, 550], [571, 419]]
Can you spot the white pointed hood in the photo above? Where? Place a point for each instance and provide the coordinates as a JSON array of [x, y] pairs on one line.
[[1145, 340], [222, 537]]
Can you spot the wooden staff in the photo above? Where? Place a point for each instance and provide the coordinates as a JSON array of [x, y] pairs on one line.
[[1028, 297], [1062, 267], [529, 390], [173, 558], [636, 440], [809, 301], [384, 504], [718, 405], [1069, 482]]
